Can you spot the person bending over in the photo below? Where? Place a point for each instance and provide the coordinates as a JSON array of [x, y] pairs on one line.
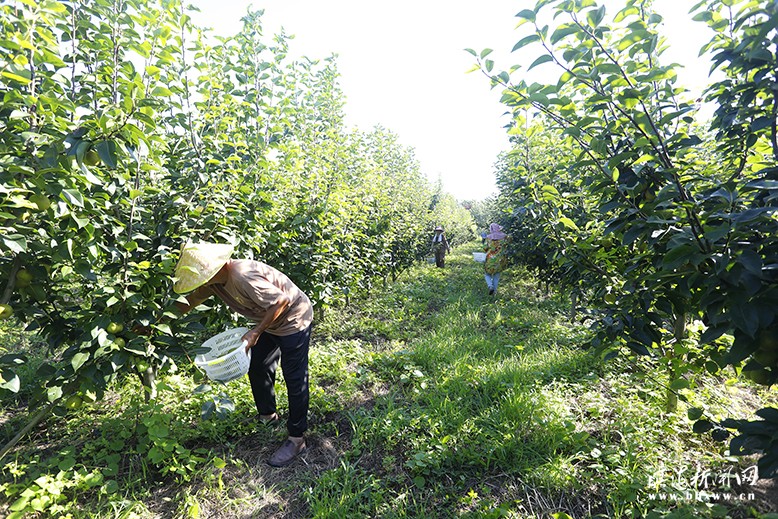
[[283, 316]]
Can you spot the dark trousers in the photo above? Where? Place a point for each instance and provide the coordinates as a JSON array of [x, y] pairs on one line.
[[440, 257], [293, 352]]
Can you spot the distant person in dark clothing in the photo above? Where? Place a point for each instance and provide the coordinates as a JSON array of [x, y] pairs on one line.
[[440, 246]]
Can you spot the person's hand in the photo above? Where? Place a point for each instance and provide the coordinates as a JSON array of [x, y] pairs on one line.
[[251, 337]]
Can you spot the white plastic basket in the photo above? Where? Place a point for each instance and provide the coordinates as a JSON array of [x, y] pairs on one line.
[[479, 257], [226, 358]]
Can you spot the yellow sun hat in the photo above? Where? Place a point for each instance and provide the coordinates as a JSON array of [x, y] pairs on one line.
[[198, 263]]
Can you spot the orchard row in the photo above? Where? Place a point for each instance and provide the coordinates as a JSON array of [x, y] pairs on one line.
[[127, 130], [663, 228]]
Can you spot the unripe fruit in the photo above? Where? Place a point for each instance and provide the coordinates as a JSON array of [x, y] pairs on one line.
[[23, 278], [119, 342], [115, 328], [6, 311], [74, 402], [42, 201], [91, 158]]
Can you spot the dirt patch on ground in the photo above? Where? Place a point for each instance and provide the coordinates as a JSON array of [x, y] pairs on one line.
[[766, 495], [250, 487], [254, 489], [761, 496]]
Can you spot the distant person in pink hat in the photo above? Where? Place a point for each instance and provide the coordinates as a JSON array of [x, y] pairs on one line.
[[440, 246], [283, 316], [495, 257]]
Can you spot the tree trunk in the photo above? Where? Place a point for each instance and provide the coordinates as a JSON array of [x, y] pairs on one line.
[[679, 332]]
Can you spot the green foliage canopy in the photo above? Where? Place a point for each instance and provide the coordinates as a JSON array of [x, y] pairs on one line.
[[127, 130], [614, 189]]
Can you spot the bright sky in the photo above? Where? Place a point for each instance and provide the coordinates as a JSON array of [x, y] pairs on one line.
[[403, 66]]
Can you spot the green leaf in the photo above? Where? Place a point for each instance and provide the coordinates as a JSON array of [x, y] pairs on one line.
[[66, 463], [15, 243], [655, 19], [572, 131], [673, 115], [10, 381], [624, 13], [18, 507], [525, 41], [638, 348], [78, 360], [745, 317], [680, 383], [677, 256], [207, 409], [561, 32], [73, 196], [164, 328], [694, 413], [702, 426], [760, 123], [161, 91], [768, 413], [54, 393], [545, 58], [719, 434], [202, 388], [595, 16], [111, 487], [644, 158], [567, 222], [751, 261], [527, 14], [485, 53], [16, 77], [81, 148], [539, 98], [632, 234], [106, 150], [741, 349]]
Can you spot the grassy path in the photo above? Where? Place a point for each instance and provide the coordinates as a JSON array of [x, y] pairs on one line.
[[465, 422], [429, 399], [491, 408]]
